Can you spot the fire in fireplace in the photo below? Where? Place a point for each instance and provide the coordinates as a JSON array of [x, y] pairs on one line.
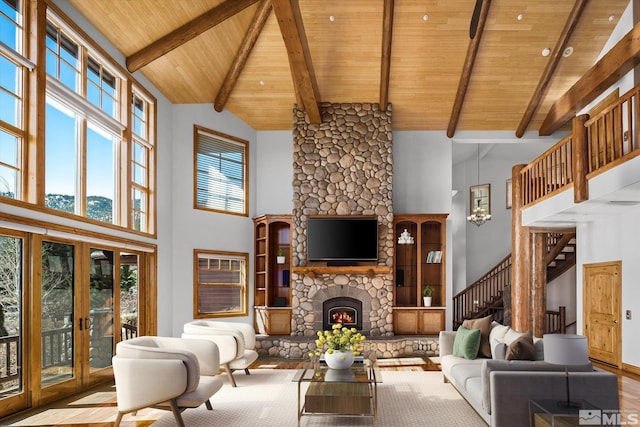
[[344, 310]]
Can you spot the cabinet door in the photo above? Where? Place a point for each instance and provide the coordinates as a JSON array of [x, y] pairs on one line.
[[431, 321], [278, 322], [405, 322]]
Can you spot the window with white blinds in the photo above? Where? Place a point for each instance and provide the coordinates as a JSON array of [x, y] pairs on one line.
[[221, 172]]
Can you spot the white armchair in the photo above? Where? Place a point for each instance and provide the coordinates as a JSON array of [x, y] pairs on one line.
[[236, 341], [162, 371]]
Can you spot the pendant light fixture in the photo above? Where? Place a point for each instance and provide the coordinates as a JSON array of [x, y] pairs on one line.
[[479, 215]]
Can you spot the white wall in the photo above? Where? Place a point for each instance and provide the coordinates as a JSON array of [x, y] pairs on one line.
[[421, 172], [491, 242], [199, 229], [562, 291], [274, 173]]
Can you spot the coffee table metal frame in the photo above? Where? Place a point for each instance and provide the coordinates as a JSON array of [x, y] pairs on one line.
[[366, 374]]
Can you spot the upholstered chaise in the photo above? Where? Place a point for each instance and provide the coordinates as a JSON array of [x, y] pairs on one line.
[[152, 371], [236, 341]]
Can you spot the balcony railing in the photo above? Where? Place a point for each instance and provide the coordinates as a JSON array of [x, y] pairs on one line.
[[550, 173], [9, 356], [611, 133], [611, 139]]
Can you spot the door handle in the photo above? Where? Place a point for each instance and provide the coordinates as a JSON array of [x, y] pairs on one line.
[[87, 323], [615, 321]]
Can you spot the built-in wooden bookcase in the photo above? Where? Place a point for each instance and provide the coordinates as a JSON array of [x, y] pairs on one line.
[[272, 292], [417, 265]]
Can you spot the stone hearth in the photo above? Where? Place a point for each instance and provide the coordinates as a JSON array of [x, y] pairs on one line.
[[298, 347]]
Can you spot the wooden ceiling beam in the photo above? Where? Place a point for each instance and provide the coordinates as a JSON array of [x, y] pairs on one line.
[[239, 61], [467, 69], [188, 31], [552, 65], [609, 69], [295, 40], [385, 68]]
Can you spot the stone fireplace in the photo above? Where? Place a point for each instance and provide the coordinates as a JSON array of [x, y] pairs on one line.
[[343, 166]]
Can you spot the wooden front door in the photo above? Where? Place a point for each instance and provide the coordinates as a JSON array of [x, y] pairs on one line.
[[602, 312]]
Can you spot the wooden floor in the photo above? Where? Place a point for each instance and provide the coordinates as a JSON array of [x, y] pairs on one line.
[[97, 407]]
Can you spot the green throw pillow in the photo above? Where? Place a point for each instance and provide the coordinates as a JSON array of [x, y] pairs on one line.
[[467, 343]]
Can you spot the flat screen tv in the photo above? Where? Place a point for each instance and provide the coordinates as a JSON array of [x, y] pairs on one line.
[[352, 238]]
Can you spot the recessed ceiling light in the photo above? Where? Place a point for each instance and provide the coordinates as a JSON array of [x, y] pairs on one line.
[[425, 17], [332, 18], [611, 18], [567, 52], [261, 82], [520, 16], [546, 51]]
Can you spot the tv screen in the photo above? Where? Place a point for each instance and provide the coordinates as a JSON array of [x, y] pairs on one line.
[[342, 239]]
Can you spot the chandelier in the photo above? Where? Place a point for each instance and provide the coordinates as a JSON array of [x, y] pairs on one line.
[[479, 215]]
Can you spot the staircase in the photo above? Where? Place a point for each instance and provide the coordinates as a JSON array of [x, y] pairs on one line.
[[485, 295]]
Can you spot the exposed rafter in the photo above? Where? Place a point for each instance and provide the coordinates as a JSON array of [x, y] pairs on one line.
[[250, 38], [467, 69], [385, 67], [609, 69], [295, 40], [187, 32], [554, 60]]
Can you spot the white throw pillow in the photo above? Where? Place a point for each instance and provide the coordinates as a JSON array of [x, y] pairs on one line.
[[498, 332]]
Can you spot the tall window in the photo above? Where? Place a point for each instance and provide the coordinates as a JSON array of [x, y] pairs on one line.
[[85, 152], [221, 172], [141, 156], [220, 284], [13, 66], [83, 135]]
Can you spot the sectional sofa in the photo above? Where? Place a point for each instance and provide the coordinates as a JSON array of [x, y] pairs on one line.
[[500, 390]]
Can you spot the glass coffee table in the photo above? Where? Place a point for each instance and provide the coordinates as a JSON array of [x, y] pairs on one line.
[[346, 392]]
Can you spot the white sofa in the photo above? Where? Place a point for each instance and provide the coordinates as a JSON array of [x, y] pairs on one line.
[[152, 371], [236, 341], [500, 390]]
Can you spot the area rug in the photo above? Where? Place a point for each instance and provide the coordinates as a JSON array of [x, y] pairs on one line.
[[268, 397]]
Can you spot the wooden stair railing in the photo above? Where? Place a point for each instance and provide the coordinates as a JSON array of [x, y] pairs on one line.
[[481, 298], [485, 295], [556, 321]]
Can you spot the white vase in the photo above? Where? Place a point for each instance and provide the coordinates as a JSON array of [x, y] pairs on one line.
[[339, 359], [280, 260], [427, 301]]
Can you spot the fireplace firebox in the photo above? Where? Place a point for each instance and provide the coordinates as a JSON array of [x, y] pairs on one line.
[[344, 310]]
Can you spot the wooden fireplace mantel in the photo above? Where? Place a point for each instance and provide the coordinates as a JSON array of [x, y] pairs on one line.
[[367, 270]]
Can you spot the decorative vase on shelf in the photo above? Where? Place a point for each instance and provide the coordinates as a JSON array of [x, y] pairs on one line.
[[339, 359]]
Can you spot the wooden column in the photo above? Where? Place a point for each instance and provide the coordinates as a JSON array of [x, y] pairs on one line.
[[520, 254], [580, 159], [538, 283]]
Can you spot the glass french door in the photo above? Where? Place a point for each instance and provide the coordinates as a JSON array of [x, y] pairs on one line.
[[13, 396], [82, 289], [64, 305], [60, 327]]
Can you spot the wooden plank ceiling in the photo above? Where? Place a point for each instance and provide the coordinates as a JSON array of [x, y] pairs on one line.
[[415, 55]]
